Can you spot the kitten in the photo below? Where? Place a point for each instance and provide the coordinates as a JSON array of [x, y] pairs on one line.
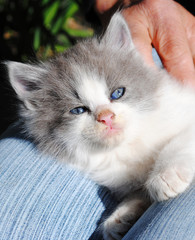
[[99, 107]]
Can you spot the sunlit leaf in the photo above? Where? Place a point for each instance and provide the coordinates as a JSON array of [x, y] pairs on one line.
[[50, 13]]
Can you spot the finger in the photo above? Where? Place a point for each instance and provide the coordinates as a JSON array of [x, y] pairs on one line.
[[138, 25], [192, 44], [102, 5], [189, 24], [175, 53], [171, 42]]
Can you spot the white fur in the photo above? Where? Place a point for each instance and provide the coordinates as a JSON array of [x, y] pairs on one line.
[[147, 143], [156, 150], [92, 91]]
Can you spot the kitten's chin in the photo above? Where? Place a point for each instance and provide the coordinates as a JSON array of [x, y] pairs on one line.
[[103, 137], [105, 143], [111, 137]]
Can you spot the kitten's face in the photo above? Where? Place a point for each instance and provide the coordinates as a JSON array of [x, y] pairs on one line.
[[95, 111], [89, 97], [100, 117]]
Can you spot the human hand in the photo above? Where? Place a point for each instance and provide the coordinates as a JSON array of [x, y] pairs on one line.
[[168, 27]]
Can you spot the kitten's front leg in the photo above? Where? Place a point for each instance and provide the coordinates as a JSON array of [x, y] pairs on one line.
[[122, 219], [175, 168]]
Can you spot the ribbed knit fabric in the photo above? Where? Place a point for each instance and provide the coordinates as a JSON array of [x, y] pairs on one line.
[[169, 220], [43, 199]]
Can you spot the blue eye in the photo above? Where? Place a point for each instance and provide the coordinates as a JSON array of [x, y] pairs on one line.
[[78, 110], [118, 93]]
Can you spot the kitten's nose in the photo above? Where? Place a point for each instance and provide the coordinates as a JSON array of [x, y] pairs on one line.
[[106, 117]]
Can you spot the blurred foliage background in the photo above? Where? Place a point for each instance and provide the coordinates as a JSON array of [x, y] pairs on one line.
[[40, 28], [36, 29]]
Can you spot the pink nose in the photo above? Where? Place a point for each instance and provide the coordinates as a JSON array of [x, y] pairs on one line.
[[106, 117]]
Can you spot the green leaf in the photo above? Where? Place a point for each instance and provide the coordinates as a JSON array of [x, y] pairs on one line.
[[80, 32], [37, 39], [57, 25], [59, 48], [50, 13], [72, 9]]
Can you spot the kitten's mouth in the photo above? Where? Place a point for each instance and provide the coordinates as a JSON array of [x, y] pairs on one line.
[[111, 131]]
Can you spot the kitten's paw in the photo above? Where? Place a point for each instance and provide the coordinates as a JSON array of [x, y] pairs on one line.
[[169, 183], [119, 223]]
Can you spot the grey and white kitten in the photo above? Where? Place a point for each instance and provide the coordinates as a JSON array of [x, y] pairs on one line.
[[99, 107]]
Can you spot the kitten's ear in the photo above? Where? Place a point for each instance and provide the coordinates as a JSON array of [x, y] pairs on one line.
[[117, 34], [24, 78]]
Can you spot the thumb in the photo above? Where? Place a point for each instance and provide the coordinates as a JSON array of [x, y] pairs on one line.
[[170, 41]]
